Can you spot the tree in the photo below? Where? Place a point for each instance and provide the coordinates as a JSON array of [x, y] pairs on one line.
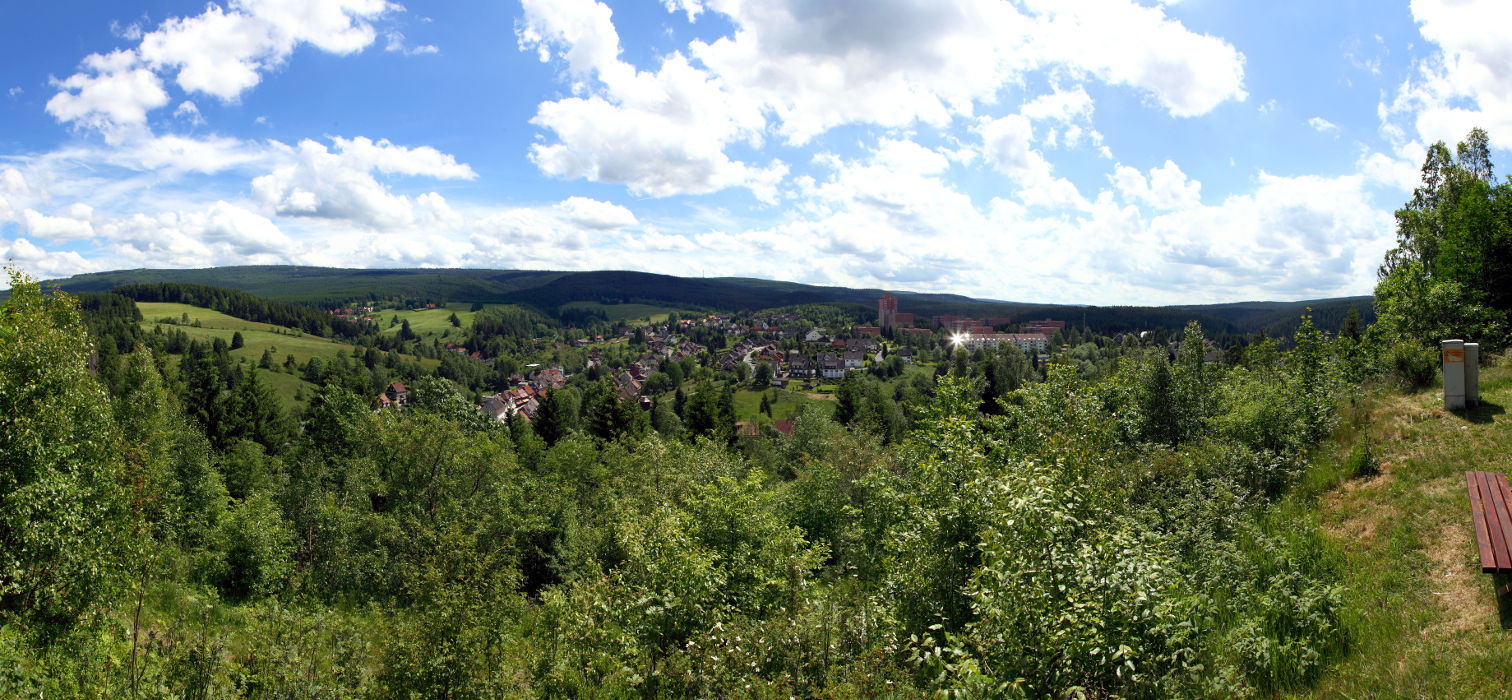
[[763, 377], [64, 518], [456, 322], [558, 414], [405, 332], [1450, 274], [256, 414], [237, 342], [606, 416], [266, 362], [711, 412], [1351, 328]]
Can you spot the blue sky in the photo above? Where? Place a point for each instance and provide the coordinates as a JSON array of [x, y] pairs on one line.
[[1103, 151]]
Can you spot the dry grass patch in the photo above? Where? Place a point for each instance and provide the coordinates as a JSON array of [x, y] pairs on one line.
[[1456, 586]]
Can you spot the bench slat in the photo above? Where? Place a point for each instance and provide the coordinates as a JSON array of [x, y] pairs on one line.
[[1499, 482], [1497, 520], [1478, 513]]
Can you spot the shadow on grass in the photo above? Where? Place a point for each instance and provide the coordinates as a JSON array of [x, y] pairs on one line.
[[1484, 412], [1503, 586]]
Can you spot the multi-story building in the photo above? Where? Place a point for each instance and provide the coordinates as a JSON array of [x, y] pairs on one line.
[[1035, 342], [887, 311]]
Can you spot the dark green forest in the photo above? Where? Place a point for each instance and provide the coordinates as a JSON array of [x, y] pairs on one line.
[[169, 529], [550, 293]]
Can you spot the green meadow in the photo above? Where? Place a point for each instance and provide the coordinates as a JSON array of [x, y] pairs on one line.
[[256, 337]]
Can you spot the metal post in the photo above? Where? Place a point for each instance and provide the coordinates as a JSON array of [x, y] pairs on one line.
[[1454, 374], [1472, 374]]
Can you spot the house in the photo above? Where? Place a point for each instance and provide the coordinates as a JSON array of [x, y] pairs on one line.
[[384, 402], [398, 394], [784, 426], [921, 333], [905, 354], [854, 359], [831, 366], [498, 407], [814, 336], [872, 331], [865, 344], [745, 428], [799, 364]]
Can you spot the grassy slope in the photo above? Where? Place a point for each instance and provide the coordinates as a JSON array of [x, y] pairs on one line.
[[1423, 620], [785, 405], [257, 336], [631, 312], [428, 322]]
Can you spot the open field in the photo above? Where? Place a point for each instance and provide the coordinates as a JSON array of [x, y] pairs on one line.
[[287, 387], [630, 312], [785, 405], [256, 336], [428, 322], [1421, 618]]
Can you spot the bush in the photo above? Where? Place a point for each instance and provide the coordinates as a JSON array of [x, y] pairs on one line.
[[1414, 365], [1362, 461]]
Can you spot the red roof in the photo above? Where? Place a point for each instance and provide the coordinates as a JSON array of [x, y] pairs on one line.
[[783, 426]]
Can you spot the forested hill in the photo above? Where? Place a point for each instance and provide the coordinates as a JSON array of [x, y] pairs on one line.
[[549, 291]]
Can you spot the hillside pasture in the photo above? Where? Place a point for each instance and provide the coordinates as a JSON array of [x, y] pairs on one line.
[[256, 337], [786, 405], [428, 322], [629, 312]]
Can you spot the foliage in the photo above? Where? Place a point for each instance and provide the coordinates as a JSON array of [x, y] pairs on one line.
[[63, 497], [1111, 524], [1451, 271]]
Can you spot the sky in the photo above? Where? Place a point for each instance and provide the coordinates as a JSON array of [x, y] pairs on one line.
[[1088, 152]]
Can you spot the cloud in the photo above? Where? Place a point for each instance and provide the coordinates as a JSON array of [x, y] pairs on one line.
[[1124, 43], [1165, 188], [220, 52], [339, 184], [1323, 126], [42, 263], [1061, 106], [1006, 146], [658, 134], [396, 43], [189, 111], [803, 67], [1466, 83], [58, 228], [593, 214], [115, 94]]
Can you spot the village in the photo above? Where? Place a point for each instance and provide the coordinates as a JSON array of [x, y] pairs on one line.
[[780, 350]]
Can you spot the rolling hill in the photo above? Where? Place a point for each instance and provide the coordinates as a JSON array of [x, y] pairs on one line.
[[551, 291]]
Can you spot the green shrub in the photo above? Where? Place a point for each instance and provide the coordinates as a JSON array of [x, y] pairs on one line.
[[1362, 460], [1414, 365]]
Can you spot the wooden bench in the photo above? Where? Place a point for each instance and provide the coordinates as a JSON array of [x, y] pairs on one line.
[[1491, 507]]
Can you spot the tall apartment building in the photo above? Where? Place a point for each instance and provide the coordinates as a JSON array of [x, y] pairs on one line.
[[887, 311]]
